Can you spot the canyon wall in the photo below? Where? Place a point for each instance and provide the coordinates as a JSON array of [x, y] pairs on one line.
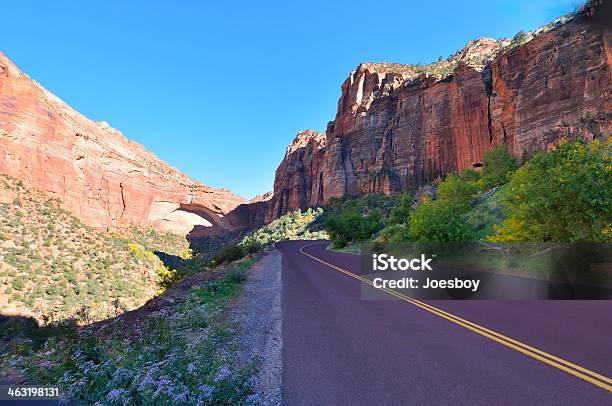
[[99, 175], [398, 126]]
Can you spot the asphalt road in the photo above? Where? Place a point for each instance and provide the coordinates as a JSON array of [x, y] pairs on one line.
[[339, 349]]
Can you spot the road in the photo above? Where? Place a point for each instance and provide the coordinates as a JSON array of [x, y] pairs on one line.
[[339, 349]]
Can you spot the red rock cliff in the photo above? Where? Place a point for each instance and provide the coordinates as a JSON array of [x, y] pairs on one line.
[[294, 183], [98, 174], [401, 125]]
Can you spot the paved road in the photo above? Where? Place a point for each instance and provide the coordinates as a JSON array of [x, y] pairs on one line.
[[339, 349]]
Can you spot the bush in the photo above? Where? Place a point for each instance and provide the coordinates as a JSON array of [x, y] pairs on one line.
[[252, 246], [400, 214], [297, 225], [167, 277], [393, 234], [458, 192], [520, 38], [19, 282], [228, 254], [562, 196], [438, 222], [237, 274], [487, 213], [498, 167], [469, 175], [187, 348], [351, 225]]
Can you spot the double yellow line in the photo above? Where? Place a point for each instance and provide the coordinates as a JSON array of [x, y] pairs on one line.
[[592, 377]]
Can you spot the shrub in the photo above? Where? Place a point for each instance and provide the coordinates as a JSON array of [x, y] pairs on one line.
[[60, 264], [520, 38], [393, 234], [19, 282], [228, 254], [498, 167], [564, 195], [237, 274], [438, 222], [141, 253], [400, 214], [167, 277], [457, 192], [297, 225], [252, 246], [487, 213], [469, 175], [350, 225], [186, 348]]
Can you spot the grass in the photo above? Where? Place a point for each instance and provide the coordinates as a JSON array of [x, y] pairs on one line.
[[63, 276], [183, 353], [353, 248]]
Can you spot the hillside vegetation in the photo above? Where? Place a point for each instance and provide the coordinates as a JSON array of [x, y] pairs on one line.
[[564, 195], [65, 289], [178, 349], [53, 267], [298, 225]]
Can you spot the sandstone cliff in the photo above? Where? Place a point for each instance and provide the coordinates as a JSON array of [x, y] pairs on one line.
[[294, 181], [99, 175], [398, 126]]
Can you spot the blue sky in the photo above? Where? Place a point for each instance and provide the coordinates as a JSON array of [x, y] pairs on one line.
[[218, 89]]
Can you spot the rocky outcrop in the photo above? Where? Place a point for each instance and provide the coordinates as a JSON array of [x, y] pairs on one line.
[[295, 180], [398, 126], [246, 216], [99, 175]]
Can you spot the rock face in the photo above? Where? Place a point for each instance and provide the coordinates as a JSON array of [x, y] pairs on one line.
[[294, 183], [98, 174], [398, 126]]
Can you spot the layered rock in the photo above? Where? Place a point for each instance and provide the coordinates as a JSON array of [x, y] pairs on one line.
[[99, 175], [295, 180], [398, 126]]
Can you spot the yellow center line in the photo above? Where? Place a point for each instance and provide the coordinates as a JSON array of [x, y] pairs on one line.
[[564, 365]]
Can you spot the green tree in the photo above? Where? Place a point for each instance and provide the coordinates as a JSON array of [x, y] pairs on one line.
[[340, 227], [458, 192], [520, 38], [371, 224], [400, 214], [351, 225], [394, 234], [565, 195], [469, 175], [438, 221], [498, 167]]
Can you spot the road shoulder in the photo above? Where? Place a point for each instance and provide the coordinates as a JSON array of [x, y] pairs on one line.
[[259, 314]]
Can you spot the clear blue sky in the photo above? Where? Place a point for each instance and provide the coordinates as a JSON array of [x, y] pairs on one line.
[[218, 89]]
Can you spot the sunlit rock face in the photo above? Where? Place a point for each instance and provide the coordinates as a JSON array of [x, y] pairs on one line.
[[99, 175], [399, 126]]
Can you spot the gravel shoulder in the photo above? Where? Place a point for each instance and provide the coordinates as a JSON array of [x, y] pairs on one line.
[[259, 315]]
